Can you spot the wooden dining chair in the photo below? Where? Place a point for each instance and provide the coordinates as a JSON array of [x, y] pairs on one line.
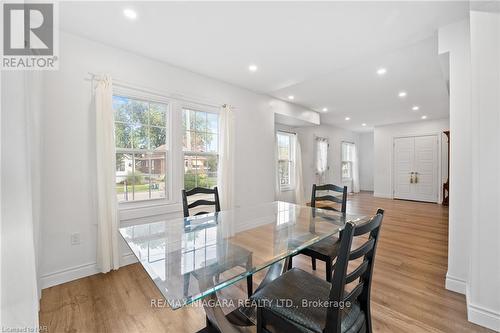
[[325, 250], [318, 306], [204, 202], [200, 202]]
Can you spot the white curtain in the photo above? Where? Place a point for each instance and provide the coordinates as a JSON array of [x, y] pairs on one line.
[[355, 169], [107, 217], [299, 182], [225, 175]]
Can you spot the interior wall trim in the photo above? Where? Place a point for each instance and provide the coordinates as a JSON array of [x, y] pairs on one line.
[[455, 284], [80, 271]]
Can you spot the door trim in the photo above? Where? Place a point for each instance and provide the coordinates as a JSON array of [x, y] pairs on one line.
[[439, 157]]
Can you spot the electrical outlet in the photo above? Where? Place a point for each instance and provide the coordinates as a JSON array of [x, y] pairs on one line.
[[75, 239]]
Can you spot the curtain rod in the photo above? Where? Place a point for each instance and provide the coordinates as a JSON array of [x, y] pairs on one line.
[[172, 95]]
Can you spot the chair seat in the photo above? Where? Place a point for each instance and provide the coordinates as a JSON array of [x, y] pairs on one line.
[[298, 285], [327, 247]]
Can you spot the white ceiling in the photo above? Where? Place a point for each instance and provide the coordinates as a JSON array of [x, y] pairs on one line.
[[323, 53]]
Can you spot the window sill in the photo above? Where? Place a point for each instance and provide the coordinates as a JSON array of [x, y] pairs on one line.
[[137, 210]]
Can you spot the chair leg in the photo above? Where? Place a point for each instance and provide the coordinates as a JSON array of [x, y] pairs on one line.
[[260, 324], [313, 261], [290, 264], [250, 285], [329, 270], [368, 319]]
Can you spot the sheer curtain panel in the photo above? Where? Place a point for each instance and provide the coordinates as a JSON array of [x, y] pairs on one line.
[[107, 215], [226, 157]]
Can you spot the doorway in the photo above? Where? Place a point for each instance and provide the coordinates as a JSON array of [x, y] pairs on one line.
[[416, 166]]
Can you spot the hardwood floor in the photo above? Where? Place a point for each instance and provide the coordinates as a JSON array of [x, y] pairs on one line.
[[408, 293]]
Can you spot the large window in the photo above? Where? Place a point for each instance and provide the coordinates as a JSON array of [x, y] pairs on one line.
[[347, 160], [141, 149], [201, 148], [286, 166]]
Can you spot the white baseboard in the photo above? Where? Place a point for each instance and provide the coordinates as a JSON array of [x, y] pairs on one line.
[[484, 317], [80, 271], [455, 284], [68, 274], [128, 259], [382, 195]]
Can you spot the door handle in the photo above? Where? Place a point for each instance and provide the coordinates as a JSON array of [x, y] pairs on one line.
[[411, 177]]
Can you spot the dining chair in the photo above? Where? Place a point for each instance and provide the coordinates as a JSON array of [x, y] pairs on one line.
[[200, 202], [316, 305], [204, 202], [325, 250]]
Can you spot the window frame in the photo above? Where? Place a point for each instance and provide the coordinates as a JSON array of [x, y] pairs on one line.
[[342, 161], [197, 108], [153, 98], [291, 162]]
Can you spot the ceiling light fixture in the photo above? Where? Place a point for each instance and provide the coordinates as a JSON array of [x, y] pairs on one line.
[[325, 109], [291, 97], [130, 14], [347, 118], [381, 71], [424, 117], [253, 68], [415, 108], [402, 94], [363, 124]]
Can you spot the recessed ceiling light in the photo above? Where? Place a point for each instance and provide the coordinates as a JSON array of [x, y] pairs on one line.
[[253, 68], [291, 97], [347, 118], [363, 124], [402, 94], [325, 109], [415, 108], [381, 71], [130, 13], [424, 117]]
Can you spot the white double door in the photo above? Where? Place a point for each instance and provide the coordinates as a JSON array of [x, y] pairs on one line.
[[416, 168]]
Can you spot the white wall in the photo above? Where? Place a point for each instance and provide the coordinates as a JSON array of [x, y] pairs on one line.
[[366, 153], [455, 40], [19, 301], [483, 291], [335, 137], [68, 166], [383, 147]]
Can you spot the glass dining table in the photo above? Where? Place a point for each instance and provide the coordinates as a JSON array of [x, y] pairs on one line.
[[191, 259]]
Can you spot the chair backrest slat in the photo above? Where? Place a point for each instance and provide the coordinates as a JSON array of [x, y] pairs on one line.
[[200, 202], [363, 273], [362, 250], [353, 294], [355, 274], [330, 187], [329, 198]]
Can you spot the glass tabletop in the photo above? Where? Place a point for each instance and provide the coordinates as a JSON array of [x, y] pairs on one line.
[[190, 258]]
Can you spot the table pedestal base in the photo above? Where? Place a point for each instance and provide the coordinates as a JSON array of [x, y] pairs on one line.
[[235, 321]]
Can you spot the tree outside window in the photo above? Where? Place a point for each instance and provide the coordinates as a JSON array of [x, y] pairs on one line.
[[141, 149], [201, 148]]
